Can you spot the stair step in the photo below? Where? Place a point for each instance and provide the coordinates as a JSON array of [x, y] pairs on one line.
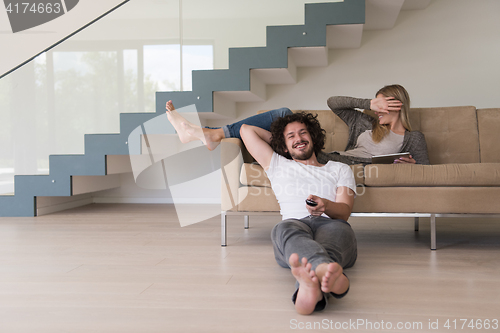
[[347, 12], [256, 93], [279, 38], [382, 14], [104, 144], [49, 205], [116, 164], [415, 4], [257, 57], [90, 164], [202, 100], [63, 186], [280, 75], [89, 184], [43, 185], [221, 80], [130, 121], [17, 205], [346, 36], [224, 106], [310, 56]]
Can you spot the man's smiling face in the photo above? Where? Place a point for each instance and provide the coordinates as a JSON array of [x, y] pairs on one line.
[[298, 141]]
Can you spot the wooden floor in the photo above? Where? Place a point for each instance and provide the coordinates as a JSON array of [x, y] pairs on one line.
[[132, 268]]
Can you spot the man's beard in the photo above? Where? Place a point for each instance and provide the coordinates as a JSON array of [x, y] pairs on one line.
[[302, 155]]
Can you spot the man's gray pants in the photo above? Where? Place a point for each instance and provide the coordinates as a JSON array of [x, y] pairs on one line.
[[319, 239]]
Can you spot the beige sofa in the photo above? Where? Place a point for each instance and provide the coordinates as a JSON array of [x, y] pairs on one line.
[[463, 178]]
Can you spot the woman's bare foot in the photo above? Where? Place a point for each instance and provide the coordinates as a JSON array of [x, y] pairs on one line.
[[331, 278], [189, 132], [309, 292]]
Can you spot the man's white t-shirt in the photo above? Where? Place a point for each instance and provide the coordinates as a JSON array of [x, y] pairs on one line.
[[292, 182]]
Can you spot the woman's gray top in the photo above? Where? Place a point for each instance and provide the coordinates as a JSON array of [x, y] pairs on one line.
[[359, 122]]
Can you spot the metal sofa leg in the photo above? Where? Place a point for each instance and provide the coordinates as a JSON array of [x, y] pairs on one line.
[[433, 231], [223, 231], [416, 223], [247, 221]]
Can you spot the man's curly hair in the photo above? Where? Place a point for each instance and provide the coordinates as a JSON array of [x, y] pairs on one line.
[[313, 127]]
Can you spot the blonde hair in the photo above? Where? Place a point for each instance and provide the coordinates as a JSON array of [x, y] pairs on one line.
[[397, 91]]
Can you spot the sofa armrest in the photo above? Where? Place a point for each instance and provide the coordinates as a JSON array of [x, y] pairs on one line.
[[233, 155], [247, 158]]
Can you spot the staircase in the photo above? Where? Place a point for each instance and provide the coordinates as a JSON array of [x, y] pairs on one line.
[[327, 26]]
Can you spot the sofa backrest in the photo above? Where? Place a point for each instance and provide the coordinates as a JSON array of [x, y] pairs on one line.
[[336, 130], [451, 133], [489, 135]]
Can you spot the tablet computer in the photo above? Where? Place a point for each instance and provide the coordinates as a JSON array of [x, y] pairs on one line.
[[388, 159]]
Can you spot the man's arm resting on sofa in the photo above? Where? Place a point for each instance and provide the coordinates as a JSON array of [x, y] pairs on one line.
[[257, 142], [340, 209]]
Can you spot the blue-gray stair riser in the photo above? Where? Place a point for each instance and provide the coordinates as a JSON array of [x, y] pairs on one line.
[[106, 144], [78, 165], [43, 186]]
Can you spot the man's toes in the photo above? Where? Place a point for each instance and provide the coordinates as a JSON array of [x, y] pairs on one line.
[[313, 275], [294, 260], [304, 261]]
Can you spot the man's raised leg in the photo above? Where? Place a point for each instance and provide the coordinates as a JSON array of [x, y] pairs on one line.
[[190, 132]]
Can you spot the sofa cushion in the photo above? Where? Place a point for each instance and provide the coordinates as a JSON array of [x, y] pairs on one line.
[[450, 132], [476, 174], [257, 199], [359, 173], [441, 200], [336, 130], [253, 174], [489, 134]]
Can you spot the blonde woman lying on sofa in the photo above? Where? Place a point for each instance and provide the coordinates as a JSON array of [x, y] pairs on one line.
[[388, 134]]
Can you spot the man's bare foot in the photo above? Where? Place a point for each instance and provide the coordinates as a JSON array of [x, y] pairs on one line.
[[213, 137], [189, 132], [309, 291], [331, 278]]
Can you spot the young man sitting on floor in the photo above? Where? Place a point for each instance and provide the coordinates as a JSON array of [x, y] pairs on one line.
[[313, 240]]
